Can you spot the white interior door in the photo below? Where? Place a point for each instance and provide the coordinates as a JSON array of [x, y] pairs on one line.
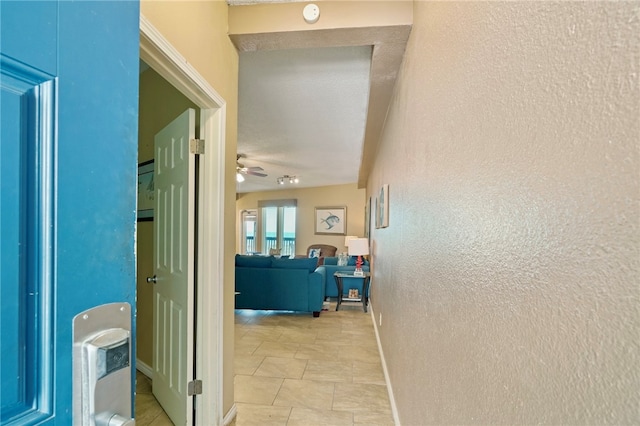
[[174, 177]]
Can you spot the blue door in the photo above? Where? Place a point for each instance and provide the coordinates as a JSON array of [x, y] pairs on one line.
[[68, 170]]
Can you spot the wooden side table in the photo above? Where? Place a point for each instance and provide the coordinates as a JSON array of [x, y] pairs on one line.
[[364, 298]]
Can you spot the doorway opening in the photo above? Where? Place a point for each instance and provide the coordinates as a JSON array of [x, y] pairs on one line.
[[169, 66]]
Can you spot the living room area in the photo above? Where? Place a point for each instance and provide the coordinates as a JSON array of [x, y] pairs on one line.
[[290, 243], [348, 198]]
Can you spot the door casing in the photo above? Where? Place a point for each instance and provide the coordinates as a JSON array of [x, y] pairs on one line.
[[160, 55]]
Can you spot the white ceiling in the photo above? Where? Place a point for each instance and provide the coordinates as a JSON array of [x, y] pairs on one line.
[[313, 97], [302, 112]]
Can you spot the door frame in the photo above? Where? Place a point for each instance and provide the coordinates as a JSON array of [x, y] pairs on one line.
[[160, 55]]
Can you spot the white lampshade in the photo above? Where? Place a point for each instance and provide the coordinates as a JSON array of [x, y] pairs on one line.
[[347, 238], [358, 246]]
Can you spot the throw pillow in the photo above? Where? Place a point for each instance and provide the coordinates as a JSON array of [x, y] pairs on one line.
[[274, 252], [314, 253]]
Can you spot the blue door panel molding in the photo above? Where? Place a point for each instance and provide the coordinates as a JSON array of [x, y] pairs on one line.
[[26, 224]]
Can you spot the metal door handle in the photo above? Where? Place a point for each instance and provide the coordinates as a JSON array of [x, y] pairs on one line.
[[108, 419], [152, 279]]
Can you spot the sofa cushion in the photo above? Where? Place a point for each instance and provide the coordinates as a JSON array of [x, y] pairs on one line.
[[303, 263], [253, 261]]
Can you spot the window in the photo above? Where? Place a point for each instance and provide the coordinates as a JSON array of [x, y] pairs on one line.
[[249, 228], [278, 226]]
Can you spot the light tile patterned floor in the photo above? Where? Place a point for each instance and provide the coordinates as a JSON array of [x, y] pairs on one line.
[[293, 369], [148, 411]]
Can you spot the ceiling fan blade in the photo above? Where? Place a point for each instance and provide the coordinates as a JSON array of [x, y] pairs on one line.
[[250, 171], [255, 169]]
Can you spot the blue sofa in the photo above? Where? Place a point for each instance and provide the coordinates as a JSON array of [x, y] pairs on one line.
[[330, 266], [272, 283]]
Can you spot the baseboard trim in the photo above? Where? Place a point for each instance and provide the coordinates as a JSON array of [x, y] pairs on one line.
[[392, 400], [230, 416], [144, 368]]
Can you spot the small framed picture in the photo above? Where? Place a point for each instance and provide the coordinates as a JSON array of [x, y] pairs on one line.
[[146, 191], [331, 221], [367, 218], [384, 206], [353, 293]]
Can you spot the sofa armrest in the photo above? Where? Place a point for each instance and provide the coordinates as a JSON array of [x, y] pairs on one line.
[[322, 271]]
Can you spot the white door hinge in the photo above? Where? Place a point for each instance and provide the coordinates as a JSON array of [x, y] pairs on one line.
[[196, 146], [194, 387]]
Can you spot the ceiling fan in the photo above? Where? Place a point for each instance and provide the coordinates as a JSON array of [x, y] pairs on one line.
[[241, 170]]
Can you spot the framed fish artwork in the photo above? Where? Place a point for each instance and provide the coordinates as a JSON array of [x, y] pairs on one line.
[[331, 221]]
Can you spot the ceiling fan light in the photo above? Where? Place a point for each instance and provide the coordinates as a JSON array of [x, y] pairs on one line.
[[296, 180], [239, 177]]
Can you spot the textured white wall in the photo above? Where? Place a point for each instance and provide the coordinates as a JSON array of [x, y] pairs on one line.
[[508, 280]]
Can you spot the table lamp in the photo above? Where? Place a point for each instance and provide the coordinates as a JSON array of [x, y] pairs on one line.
[[347, 239], [358, 247]]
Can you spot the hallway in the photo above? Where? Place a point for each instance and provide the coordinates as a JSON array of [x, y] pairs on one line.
[[293, 369]]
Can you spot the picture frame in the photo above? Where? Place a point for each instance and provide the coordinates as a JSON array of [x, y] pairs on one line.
[[146, 191], [376, 213], [384, 206], [367, 218], [330, 220]]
